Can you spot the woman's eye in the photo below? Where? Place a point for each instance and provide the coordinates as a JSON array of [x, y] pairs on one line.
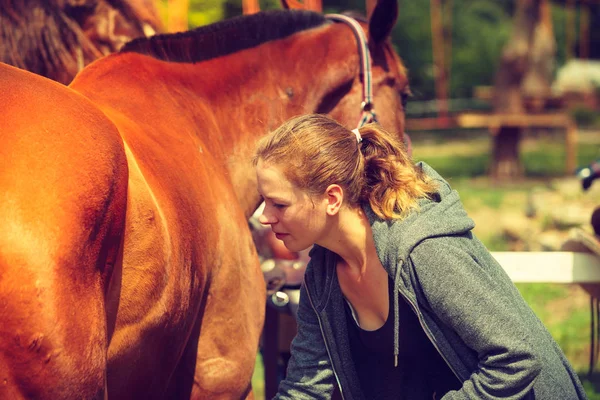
[[277, 205]]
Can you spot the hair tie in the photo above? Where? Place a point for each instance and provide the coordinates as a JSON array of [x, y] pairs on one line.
[[357, 134]]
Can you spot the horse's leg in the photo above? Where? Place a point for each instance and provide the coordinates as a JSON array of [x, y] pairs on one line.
[[53, 333], [231, 328], [63, 180], [219, 358]]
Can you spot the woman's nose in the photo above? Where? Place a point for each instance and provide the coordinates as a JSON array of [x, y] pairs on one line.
[[265, 219]]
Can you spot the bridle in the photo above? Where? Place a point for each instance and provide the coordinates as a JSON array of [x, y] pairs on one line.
[[367, 108]]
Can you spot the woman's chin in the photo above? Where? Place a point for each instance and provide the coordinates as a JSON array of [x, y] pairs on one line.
[[296, 247]]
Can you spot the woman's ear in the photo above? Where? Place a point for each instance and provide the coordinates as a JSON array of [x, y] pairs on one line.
[[335, 196]]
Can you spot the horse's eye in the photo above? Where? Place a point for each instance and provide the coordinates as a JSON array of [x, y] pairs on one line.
[[404, 98]]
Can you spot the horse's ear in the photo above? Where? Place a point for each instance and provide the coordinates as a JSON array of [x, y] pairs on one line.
[[382, 20]]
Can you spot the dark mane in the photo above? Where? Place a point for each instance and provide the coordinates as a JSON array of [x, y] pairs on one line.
[[225, 37]]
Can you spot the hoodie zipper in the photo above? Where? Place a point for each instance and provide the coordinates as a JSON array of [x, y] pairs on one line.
[[428, 333], [324, 340]]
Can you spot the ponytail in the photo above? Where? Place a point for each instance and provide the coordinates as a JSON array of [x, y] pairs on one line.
[[393, 185]]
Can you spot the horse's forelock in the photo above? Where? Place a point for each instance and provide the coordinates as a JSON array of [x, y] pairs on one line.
[[225, 37]]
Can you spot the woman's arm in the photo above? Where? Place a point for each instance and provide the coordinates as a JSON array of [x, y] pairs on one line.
[[482, 306], [309, 373]]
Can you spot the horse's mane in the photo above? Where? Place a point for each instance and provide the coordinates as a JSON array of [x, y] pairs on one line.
[[225, 37]]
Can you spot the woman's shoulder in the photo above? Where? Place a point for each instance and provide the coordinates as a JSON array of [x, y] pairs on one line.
[[459, 255]]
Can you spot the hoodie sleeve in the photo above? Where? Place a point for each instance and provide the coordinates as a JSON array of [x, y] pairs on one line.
[[309, 374], [475, 298]]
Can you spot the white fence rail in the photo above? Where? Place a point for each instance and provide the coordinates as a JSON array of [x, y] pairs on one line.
[[550, 267]]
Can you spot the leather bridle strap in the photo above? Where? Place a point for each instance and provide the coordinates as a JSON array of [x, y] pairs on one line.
[[368, 111]]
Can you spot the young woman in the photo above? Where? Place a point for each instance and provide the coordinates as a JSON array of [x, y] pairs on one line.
[[400, 299]]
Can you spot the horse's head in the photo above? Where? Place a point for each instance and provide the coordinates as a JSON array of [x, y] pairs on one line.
[[388, 77]]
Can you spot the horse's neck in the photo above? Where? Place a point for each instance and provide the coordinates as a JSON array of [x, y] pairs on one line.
[[245, 94]]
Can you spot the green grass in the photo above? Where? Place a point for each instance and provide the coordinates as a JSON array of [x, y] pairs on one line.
[[571, 331], [458, 166], [496, 242], [478, 194], [258, 379], [548, 160], [538, 294]]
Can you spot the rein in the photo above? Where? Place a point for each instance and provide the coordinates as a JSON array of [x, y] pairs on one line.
[[367, 108]]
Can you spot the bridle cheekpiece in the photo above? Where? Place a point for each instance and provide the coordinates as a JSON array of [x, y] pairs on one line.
[[367, 108]]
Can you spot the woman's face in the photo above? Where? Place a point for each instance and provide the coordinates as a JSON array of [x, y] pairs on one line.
[[297, 218]]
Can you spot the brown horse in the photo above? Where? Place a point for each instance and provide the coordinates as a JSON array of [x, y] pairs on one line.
[[127, 268], [57, 38]]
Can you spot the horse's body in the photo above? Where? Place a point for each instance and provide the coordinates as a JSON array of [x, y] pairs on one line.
[[126, 263]]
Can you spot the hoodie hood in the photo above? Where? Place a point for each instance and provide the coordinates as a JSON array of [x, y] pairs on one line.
[[443, 215]]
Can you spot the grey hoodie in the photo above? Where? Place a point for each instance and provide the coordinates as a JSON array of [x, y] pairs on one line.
[[467, 305]]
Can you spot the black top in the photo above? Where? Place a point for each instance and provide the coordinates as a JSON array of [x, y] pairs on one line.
[[421, 372]]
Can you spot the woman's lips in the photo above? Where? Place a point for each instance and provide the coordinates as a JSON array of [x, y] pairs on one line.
[[280, 236]]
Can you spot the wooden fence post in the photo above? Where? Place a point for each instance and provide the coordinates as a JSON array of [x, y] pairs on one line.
[[250, 6]]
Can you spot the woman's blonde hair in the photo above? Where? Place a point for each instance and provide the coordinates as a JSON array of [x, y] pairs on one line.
[[314, 151]]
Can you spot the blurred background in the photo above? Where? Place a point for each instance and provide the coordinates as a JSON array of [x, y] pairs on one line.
[[505, 104]]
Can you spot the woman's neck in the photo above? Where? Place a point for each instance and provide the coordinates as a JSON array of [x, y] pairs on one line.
[[351, 238]]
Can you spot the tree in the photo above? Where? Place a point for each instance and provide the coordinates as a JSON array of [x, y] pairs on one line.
[[526, 59]]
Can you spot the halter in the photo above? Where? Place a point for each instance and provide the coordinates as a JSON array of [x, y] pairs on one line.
[[367, 109]]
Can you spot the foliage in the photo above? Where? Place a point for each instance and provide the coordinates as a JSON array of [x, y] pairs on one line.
[[204, 12], [585, 116], [478, 30], [481, 29]]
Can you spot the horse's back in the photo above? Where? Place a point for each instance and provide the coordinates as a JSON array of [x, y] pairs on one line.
[[63, 179]]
